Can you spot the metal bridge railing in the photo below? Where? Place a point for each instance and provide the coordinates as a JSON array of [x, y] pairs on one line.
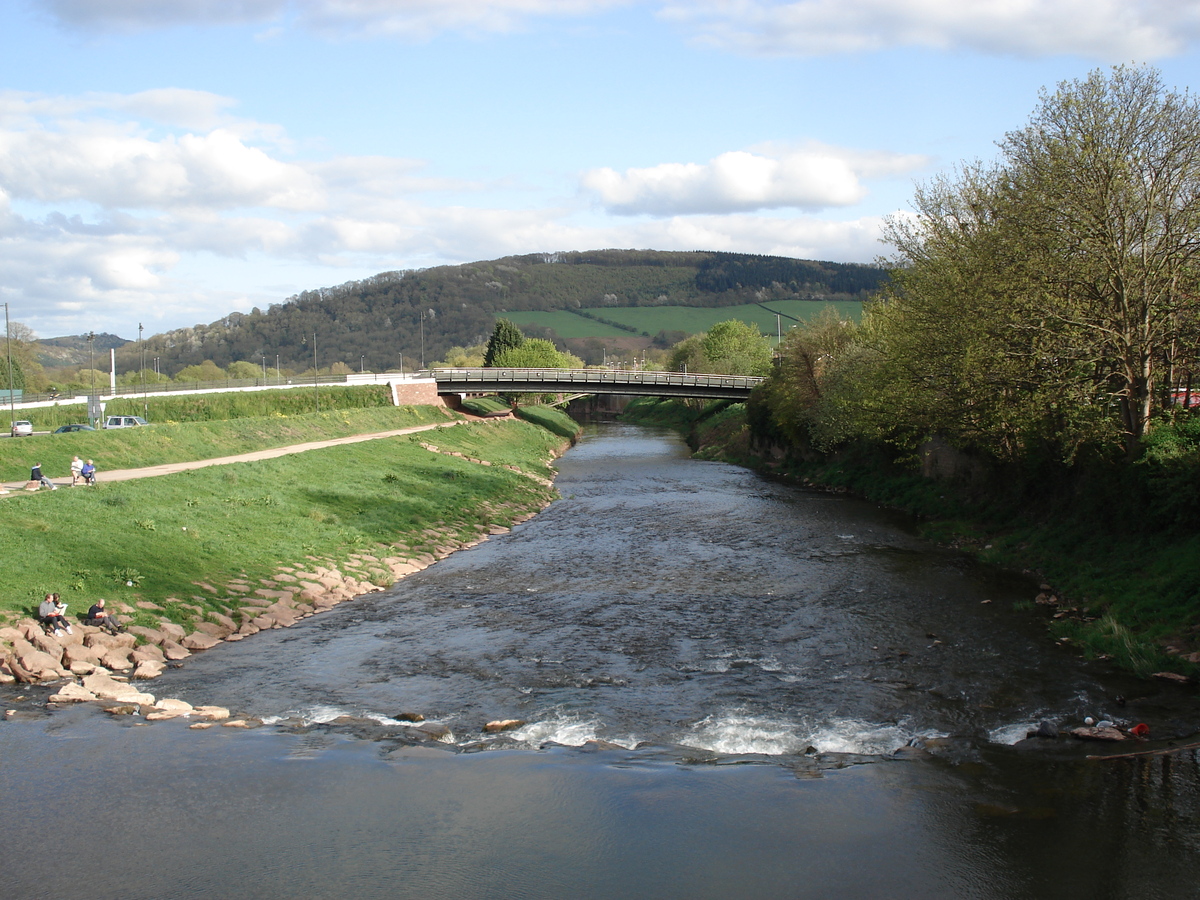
[[594, 376]]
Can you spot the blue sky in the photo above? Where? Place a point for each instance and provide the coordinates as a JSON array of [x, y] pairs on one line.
[[168, 163]]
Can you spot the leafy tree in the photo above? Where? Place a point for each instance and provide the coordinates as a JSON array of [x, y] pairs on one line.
[[536, 353], [1034, 298], [728, 348], [206, 371], [688, 355], [736, 348], [808, 401], [243, 369], [17, 375], [462, 358], [505, 336], [21, 342]]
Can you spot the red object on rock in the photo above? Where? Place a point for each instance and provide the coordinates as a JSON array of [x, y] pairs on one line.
[[1141, 729]]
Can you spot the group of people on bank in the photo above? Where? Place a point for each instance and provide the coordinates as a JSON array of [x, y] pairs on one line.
[[52, 613], [80, 472]]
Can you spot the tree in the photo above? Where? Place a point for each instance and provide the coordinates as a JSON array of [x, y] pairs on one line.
[[243, 369], [736, 348], [462, 358], [536, 353], [811, 399], [21, 342], [206, 371], [14, 377], [505, 336], [728, 348], [1035, 297]]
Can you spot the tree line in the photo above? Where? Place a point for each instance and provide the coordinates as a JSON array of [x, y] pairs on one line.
[[1042, 314]]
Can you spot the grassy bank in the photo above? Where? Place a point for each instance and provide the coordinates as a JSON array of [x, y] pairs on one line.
[[156, 539], [129, 448], [1131, 597]]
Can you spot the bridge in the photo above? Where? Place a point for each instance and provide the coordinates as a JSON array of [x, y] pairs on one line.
[[593, 381]]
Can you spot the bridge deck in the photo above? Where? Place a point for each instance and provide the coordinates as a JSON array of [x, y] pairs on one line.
[[594, 381]]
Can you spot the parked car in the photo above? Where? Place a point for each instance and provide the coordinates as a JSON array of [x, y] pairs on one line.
[[22, 429], [124, 422], [67, 429]]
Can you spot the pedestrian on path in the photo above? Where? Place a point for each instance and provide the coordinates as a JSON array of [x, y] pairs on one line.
[[76, 470], [88, 472]]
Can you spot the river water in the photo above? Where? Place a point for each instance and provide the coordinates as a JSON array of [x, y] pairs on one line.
[[731, 688]]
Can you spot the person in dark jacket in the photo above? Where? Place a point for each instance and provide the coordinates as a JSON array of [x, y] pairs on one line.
[[98, 616], [35, 474]]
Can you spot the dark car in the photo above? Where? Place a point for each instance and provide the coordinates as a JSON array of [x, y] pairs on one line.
[[67, 429]]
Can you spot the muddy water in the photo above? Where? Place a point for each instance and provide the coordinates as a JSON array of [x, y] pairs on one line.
[[799, 699]]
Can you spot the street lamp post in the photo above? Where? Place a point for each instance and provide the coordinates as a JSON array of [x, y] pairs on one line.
[[264, 362], [142, 348], [362, 364], [92, 401], [278, 377]]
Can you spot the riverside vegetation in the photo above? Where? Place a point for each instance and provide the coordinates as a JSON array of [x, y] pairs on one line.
[[208, 550]]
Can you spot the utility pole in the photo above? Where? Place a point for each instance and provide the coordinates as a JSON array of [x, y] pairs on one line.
[[316, 373], [264, 362]]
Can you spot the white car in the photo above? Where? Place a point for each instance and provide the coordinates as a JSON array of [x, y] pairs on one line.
[[124, 422], [22, 429]]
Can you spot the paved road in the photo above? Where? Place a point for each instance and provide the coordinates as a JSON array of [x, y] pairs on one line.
[[171, 468]]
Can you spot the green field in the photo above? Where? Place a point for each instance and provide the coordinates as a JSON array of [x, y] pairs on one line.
[[653, 319]]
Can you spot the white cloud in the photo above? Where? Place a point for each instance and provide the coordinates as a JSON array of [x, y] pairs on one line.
[[106, 165], [1113, 30], [810, 178], [409, 19], [137, 15]]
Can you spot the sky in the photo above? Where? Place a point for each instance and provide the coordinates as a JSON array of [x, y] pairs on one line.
[[163, 164]]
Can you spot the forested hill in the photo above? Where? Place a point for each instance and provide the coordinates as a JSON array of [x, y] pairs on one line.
[[378, 317]]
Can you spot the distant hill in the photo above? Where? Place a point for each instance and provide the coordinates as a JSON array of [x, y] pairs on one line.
[[73, 349], [371, 321]]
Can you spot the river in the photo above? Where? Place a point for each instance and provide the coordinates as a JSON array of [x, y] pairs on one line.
[[731, 688]]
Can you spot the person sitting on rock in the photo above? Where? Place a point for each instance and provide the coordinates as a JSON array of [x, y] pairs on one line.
[[35, 474], [98, 616], [50, 613]]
